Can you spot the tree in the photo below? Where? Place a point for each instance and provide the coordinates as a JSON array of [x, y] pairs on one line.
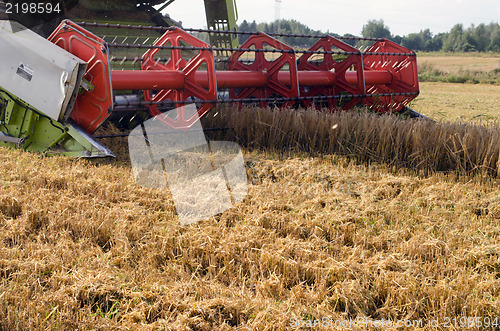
[[436, 43], [482, 37], [376, 29], [282, 26], [453, 42], [495, 40], [397, 39], [413, 41], [469, 43], [349, 41], [253, 26], [245, 27], [425, 35]]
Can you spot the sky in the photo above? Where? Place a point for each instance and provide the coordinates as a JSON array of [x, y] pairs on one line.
[[341, 17]]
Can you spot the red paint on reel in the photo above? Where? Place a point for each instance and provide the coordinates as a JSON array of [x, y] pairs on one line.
[[283, 64], [338, 75], [338, 64], [93, 106], [403, 69], [187, 64]]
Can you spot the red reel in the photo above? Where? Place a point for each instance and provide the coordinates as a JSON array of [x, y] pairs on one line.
[[338, 65], [404, 76], [92, 106], [189, 65], [286, 87]]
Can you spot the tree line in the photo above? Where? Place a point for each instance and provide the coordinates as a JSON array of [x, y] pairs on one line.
[[480, 38], [281, 26]]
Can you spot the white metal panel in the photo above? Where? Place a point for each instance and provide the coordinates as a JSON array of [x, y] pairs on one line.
[[37, 71]]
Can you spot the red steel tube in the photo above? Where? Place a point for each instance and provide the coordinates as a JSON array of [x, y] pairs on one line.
[[147, 79], [245, 79], [371, 77], [309, 78], [160, 79], [234, 79]]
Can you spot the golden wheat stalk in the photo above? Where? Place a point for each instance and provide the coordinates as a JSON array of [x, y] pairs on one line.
[[417, 144]]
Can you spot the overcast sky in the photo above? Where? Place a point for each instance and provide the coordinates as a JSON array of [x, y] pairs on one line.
[[402, 17]]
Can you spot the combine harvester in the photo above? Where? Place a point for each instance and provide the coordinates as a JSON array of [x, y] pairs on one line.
[[56, 92]]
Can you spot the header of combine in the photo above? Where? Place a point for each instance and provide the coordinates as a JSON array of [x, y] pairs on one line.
[[179, 68]]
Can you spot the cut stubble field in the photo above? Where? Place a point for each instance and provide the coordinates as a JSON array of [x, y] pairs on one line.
[[454, 63], [477, 103], [83, 247], [340, 236]]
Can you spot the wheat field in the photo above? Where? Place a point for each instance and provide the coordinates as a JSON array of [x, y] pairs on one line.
[[456, 62], [346, 219], [467, 103], [421, 145]]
